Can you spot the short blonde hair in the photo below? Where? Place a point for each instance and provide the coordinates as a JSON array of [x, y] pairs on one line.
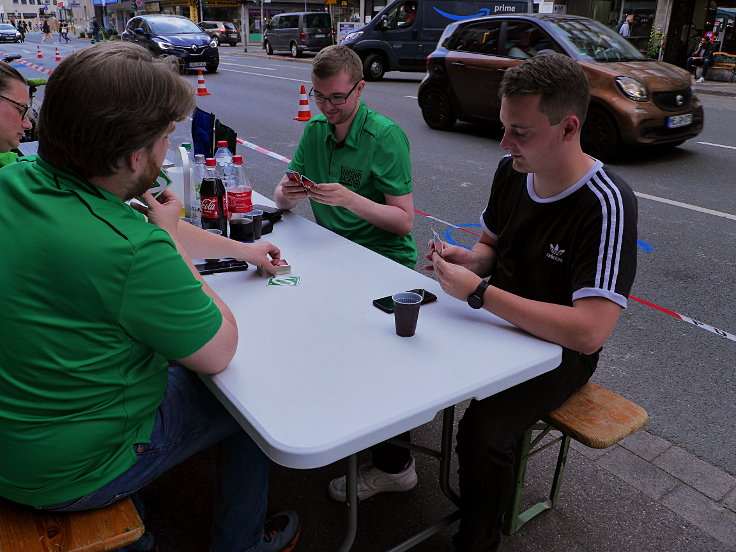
[[333, 60]]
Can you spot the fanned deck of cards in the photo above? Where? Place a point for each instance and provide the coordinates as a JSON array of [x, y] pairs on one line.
[[305, 181], [438, 245]]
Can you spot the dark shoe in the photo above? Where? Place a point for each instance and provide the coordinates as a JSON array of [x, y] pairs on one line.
[[280, 533]]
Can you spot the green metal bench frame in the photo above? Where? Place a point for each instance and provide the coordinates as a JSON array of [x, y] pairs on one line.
[[530, 445]]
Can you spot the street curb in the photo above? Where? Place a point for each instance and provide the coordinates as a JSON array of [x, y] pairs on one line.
[[714, 92]]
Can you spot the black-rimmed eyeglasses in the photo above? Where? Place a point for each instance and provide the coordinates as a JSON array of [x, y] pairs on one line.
[[334, 100], [23, 108]]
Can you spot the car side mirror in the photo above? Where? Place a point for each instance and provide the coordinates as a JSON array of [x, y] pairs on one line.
[[139, 31]]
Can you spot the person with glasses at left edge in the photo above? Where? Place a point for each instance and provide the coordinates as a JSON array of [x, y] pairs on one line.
[[360, 163], [14, 106]]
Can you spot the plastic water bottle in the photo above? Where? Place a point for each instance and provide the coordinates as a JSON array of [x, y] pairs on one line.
[[195, 205], [240, 194], [224, 158]]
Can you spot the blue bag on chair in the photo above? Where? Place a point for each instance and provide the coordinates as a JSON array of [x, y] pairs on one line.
[[203, 133]]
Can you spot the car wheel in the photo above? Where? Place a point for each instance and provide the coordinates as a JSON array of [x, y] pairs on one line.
[[374, 67], [212, 67], [437, 109], [600, 136], [216, 41], [294, 50], [267, 46]]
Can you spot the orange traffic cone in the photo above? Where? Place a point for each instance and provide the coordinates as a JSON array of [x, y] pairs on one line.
[[201, 88], [39, 55], [303, 114], [58, 56]]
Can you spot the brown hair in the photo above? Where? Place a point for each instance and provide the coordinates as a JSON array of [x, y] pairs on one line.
[[558, 79], [127, 100], [8, 73], [333, 60]]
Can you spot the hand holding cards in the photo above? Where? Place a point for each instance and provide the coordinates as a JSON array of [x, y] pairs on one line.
[[438, 245], [304, 181]]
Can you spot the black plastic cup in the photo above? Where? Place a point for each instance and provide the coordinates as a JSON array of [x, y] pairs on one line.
[[257, 216], [241, 229], [406, 312]]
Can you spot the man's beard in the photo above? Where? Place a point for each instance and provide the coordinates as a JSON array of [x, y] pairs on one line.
[[144, 181]]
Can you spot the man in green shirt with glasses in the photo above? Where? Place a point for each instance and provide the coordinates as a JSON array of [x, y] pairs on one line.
[[359, 160]]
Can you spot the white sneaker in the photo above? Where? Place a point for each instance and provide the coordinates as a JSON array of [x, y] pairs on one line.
[[701, 79], [372, 481]]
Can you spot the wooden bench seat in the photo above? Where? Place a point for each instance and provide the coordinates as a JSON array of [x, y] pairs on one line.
[[27, 530], [593, 416], [723, 60]]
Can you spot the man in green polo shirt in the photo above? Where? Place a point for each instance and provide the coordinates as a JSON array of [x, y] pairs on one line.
[[106, 322], [359, 163], [14, 107], [359, 160]]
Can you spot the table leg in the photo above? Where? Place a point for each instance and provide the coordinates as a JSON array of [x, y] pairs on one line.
[[448, 419], [351, 491]]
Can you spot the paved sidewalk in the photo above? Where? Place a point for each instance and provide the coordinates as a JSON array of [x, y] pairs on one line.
[[644, 494]]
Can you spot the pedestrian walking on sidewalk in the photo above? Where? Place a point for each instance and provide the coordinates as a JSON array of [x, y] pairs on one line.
[[95, 30], [64, 31], [46, 30]]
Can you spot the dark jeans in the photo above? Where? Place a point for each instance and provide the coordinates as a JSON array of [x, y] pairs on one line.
[[190, 419], [487, 437], [390, 458], [704, 63]]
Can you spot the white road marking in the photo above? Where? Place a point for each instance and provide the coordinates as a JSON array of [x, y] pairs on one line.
[[716, 145], [686, 206], [249, 66], [269, 76]]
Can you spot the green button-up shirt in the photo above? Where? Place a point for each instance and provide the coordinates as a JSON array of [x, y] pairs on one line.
[[372, 161]]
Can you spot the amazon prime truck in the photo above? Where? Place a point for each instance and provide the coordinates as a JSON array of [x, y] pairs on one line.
[[404, 33]]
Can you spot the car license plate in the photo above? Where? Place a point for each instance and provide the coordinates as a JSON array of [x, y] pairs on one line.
[[319, 36], [677, 121], [197, 64]]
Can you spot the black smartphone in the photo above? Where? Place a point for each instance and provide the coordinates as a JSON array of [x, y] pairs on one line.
[[221, 265], [272, 214], [386, 304]]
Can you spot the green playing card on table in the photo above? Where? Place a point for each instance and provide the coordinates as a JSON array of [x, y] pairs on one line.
[[284, 281]]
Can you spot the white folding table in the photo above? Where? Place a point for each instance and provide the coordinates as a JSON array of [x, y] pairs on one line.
[[320, 373]]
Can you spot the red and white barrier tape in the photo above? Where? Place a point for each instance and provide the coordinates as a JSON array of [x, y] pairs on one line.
[[40, 68]]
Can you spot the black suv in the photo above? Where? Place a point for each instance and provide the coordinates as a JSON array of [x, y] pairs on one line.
[[173, 35]]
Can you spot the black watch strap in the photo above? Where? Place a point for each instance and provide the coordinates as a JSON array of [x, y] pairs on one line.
[[475, 299]]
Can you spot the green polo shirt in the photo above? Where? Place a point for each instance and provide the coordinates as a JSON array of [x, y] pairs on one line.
[[372, 161], [94, 301]]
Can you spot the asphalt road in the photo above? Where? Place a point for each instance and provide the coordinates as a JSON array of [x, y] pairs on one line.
[[683, 374]]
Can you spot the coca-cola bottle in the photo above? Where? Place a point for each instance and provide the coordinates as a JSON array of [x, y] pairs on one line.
[[212, 199]]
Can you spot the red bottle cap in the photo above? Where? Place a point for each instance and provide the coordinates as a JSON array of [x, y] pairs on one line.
[[210, 162], [222, 143], [237, 159]]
